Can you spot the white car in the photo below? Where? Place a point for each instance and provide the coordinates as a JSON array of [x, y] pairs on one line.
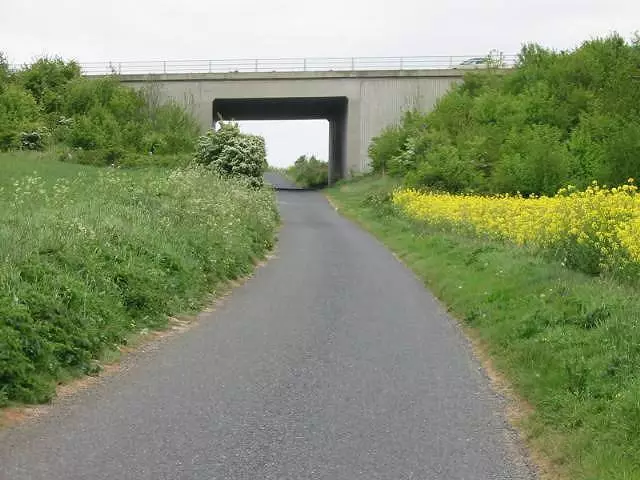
[[473, 63]]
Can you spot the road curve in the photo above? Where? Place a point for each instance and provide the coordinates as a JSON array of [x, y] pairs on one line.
[[332, 362]]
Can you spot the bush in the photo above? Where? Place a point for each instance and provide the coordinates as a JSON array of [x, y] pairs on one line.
[[309, 172], [19, 112], [4, 71], [34, 140], [558, 118], [89, 113], [46, 80], [535, 160], [231, 153], [384, 147]]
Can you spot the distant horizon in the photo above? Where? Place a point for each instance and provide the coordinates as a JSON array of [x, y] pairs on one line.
[[283, 153]]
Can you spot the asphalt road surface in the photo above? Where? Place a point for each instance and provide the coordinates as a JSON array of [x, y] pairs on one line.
[[280, 182], [332, 362]]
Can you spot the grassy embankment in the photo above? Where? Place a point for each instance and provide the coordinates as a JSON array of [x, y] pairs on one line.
[[91, 255], [568, 342]]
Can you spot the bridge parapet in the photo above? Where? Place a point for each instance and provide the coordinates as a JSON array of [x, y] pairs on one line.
[[313, 64]]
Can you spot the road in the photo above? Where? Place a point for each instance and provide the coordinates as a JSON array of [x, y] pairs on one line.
[[331, 362], [279, 181]]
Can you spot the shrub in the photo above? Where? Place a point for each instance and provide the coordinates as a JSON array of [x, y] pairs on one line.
[[88, 113], [309, 172], [34, 140], [443, 169], [46, 80], [384, 147], [231, 153], [4, 71], [391, 151], [533, 159], [19, 112], [175, 128]]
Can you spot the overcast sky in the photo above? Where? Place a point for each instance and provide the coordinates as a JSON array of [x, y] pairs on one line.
[[121, 30]]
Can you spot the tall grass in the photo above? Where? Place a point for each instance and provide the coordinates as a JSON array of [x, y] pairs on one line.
[[90, 255]]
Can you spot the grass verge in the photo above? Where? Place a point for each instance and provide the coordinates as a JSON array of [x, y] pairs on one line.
[[91, 255], [568, 343]]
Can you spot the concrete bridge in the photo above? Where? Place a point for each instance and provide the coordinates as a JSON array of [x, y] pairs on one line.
[[357, 103]]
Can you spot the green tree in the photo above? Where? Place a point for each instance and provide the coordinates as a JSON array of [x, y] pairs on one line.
[[19, 112], [46, 80], [557, 118]]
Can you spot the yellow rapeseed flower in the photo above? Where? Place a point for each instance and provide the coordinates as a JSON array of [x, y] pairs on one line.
[[604, 221]]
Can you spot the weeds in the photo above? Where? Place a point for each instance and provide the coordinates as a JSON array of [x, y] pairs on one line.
[[90, 255]]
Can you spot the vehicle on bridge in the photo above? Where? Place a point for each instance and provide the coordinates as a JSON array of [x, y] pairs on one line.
[[474, 63]]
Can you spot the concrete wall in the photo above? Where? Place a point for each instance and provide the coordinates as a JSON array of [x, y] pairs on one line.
[[375, 99]]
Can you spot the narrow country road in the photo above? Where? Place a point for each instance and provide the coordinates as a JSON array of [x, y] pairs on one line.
[[332, 362]]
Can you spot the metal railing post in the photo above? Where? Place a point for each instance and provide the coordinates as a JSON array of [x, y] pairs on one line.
[[304, 64], [401, 63], [353, 64], [256, 64], [164, 67], [209, 66]]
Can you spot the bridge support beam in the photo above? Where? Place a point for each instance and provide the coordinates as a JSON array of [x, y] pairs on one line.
[[337, 148]]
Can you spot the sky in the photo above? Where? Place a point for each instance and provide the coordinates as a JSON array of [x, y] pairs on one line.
[[137, 30]]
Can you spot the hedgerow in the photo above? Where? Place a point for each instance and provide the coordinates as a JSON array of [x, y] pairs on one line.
[[309, 172], [49, 104]]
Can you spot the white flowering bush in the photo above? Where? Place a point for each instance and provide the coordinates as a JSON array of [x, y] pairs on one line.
[[231, 153]]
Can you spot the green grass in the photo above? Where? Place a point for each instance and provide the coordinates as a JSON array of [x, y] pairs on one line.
[[92, 255], [569, 343], [17, 165]]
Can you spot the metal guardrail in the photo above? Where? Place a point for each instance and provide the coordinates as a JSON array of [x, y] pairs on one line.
[[290, 64]]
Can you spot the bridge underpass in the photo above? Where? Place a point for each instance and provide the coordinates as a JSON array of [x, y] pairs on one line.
[[357, 104], [332, 109]]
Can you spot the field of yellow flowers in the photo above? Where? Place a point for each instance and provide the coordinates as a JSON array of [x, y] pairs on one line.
[[595, 230]]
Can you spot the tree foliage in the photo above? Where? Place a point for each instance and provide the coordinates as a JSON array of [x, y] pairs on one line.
[[231, 153], [309, 172], [50, 102], [557, 118]]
